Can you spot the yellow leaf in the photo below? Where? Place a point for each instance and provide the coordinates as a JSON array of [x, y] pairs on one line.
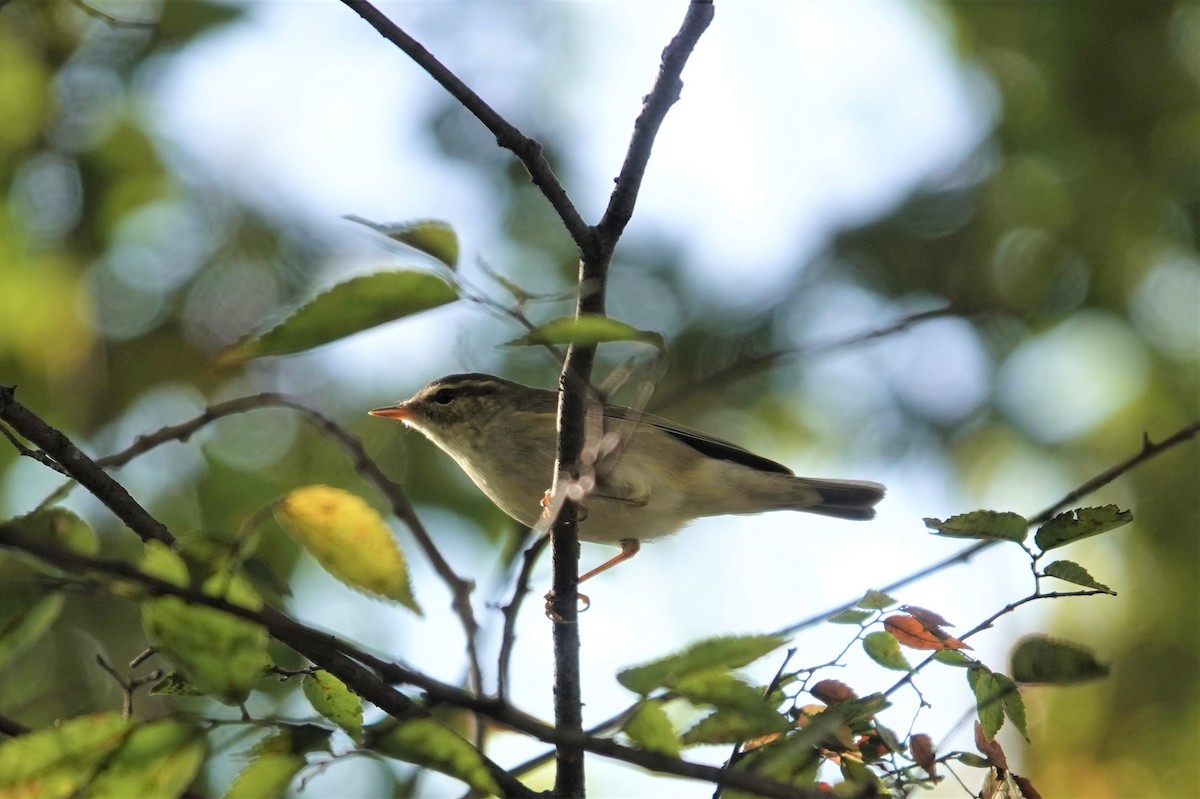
[[349, 539]]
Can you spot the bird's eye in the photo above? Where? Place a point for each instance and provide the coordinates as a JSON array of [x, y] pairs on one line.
[[444, 396]]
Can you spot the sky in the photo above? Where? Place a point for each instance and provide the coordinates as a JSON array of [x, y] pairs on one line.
[[797, 119]]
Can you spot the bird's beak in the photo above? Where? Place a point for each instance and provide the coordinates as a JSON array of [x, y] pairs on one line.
[[399, 411]]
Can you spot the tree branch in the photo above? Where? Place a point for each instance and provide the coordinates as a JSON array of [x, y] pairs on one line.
[[528, 150], [82, 468], [1148, 451], [460, 589], [367, 675]]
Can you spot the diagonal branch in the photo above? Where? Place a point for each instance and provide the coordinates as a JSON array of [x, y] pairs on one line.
[[79, 466], [654, 110], [528, 150], [1148, 451], [460, 588]]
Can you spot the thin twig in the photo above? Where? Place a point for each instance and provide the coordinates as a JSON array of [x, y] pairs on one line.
[[527, 149], [1149, 450], [753, 364], [372, 677], [460, 588], [508, 636]]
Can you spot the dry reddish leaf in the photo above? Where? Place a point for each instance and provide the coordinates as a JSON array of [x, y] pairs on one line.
[[1027, 789], [990, 749], [926, 617], [923, 753], [911, 632], [832, 691]]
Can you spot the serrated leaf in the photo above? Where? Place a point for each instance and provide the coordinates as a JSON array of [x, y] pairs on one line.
[[349, 539], [726, 652], [1080, 523], [57, 762], [222, 654], [650, 729], [727, 725], [350, 307], [884, 649], [1013, 703], [850, 616], [428, 743], [953, 658], [875, 600], [1039, 659], [864, 709], [1074, 573], [430, 236], [989, 695], [331, 698], [586, 329], [913, 633], [982, 525], [726, 692], [158, 760]]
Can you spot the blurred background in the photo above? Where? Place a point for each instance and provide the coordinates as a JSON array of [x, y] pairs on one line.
[[174, 175]]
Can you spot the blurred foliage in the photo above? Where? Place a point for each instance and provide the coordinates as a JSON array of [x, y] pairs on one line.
[[123, 269]]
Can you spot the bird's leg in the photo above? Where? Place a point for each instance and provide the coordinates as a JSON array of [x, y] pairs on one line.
[[629, 548]]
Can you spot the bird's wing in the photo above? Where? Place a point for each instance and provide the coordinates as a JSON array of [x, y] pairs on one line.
[[705, 444]]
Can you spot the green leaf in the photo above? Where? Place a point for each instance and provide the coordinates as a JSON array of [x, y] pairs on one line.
[[1074, 573], [58, 526], [332, 699], [952, 657], [850, 616], [158, 760], [586, 329], [989, 692], [649, 728], [727, 726], [982, 525], [431, 236], [864, 708], [58, 762], [358, 304], [25, 614], [875, 600], [1013, 703], [276, 760], [726, 692], [973, 760], [222, 654], [428, 743], [349, 539], [182, 22], [1039, 659], [1080, 523], [726, 652], [884, 649], [175, 683]]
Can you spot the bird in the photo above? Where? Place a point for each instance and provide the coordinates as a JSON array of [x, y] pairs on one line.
[[652, 477]]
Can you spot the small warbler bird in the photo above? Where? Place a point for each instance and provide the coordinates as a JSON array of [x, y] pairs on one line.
[[652, 479]]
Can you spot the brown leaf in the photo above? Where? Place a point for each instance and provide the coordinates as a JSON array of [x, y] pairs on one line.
[[1027, 789], [913, 633], [990, 749], [832, 691], [923, 753], [926, 617]]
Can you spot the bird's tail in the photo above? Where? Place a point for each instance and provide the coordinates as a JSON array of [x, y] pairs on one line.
[[842, 499]]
